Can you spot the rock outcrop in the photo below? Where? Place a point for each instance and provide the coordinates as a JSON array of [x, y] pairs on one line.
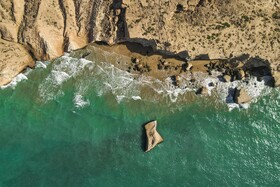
[[217, 28], [14, 58], [242, 97], [153, 137], [45, 29]]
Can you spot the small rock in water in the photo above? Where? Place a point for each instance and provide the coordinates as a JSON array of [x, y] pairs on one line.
[[211, 84], [202, 91], [241, 97], [153, 137], [227, 78]]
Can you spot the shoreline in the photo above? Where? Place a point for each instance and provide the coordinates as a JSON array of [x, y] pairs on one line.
[[181, 75], [187, 29]]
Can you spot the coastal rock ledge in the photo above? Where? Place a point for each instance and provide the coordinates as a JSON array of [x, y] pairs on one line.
[[153, 137], [40, 30]]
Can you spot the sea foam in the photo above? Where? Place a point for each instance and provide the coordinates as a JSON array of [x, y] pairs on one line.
[[62, 70], [20, 77], [80, 102], [105, 78]]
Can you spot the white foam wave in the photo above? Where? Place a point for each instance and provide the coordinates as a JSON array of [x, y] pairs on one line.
[[63, 69], [80, 102], [20, 77], [106, 78], [23, 76], [253, 87], [135, 98], [58, 77], [120, 98], [40, 64]]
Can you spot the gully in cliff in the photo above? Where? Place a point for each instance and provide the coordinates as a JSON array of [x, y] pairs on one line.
[[153, 137]]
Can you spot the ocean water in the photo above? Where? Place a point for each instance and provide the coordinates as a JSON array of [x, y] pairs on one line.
[[76, 122]]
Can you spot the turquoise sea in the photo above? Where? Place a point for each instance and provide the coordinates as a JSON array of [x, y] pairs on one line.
[[78, 123]]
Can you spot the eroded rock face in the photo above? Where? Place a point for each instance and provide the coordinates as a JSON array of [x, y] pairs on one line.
[[216, 28], [14, 58], [153, 137], [45, 29]]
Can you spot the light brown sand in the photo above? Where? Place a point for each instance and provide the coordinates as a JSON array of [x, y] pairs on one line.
[[147, 56]]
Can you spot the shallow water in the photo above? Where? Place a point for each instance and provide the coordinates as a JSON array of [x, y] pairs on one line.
[[79, 123]]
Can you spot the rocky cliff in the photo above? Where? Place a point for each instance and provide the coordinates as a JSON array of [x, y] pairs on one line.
[[44, 29]]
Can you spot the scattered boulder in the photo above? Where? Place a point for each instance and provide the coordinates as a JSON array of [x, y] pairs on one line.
[[166, 63], [227, 78], [184, 67], [153, 137], [211, 84], [118, 12], [174, 80], [189, 66], [202, 91], [135, 60], [241, 96], [159, 66], [242, 74]]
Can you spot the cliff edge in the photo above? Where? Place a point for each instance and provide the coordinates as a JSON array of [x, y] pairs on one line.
[[44, 29]]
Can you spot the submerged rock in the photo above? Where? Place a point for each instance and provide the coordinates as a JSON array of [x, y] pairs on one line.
[[153, 137]]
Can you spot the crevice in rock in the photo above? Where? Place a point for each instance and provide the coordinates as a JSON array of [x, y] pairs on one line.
[[13, 11], [119, 19], [77, 4], [92, 21], [64, 15], [30, 14]]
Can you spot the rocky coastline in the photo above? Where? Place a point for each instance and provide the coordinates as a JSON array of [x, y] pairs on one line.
[[183, 73], [196, 35]]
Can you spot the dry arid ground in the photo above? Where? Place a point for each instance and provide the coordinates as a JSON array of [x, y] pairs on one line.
[[44, 29]]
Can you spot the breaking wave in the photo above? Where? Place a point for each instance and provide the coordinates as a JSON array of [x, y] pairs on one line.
[[105, 78], [24, 75], [80, 102], [20, 77]]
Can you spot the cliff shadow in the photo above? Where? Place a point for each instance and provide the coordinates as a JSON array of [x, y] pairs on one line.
[[261, 69], [254, 67], [146, 47], [202, 57]]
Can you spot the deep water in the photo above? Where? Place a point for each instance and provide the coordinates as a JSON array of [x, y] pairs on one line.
[[79, 124]]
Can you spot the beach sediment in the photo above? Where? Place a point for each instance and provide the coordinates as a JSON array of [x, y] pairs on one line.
[[199, 75]]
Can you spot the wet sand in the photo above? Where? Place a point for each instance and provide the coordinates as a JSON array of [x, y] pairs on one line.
[[144, 60]]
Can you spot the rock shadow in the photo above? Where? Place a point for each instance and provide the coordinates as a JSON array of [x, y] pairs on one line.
[[119, 9], [143, 138], [260, 68], [148, 48], [202, 57], [254, 67], [231, 95]]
